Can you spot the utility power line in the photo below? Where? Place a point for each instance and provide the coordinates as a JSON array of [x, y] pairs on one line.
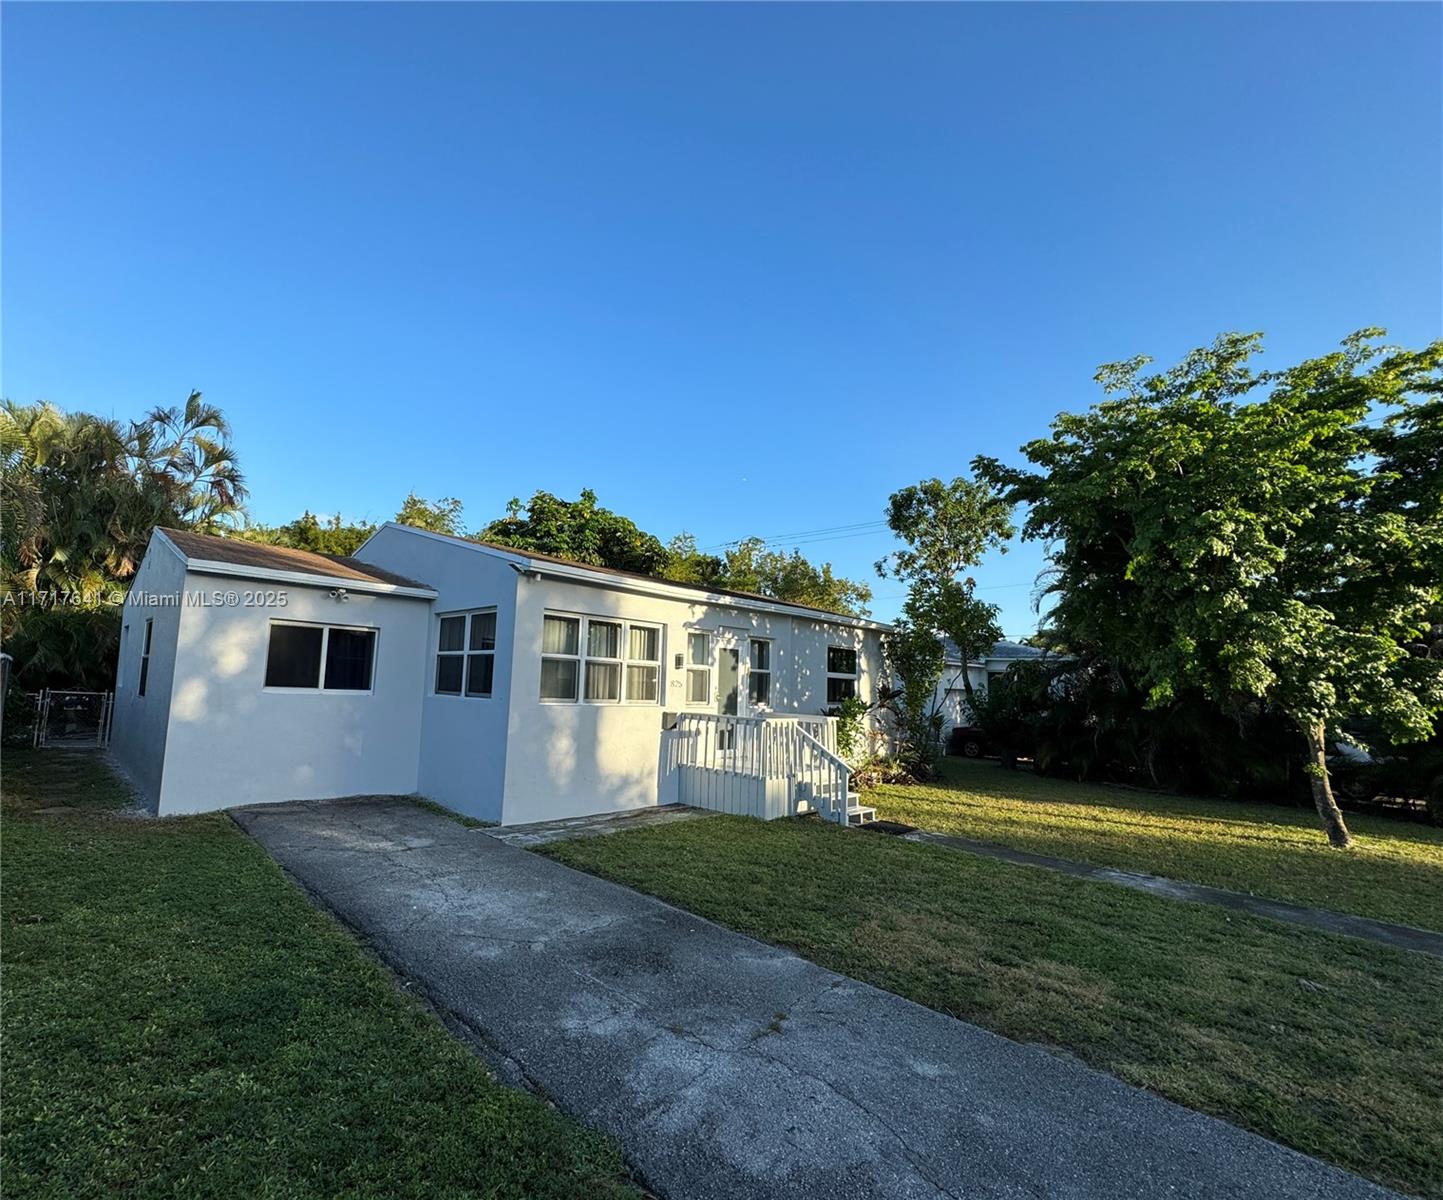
[[825, 533]]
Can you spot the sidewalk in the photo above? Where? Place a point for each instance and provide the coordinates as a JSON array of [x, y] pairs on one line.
[[1400, 937], [730, 1069]]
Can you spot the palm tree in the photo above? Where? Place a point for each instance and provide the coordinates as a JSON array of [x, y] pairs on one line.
[[186, 451], [80, 497]]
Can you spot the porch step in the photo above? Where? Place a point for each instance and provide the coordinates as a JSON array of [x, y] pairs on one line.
[[859, 814]]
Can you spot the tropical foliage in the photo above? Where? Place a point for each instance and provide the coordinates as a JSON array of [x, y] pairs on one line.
[[437, 516], [584, 531], [577, 529], [945, 529], [334, 535], [1248, 539], [81, 494], [752, 565]]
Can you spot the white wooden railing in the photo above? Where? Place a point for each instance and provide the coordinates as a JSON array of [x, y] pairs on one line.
[[823, 729], [764, 767]]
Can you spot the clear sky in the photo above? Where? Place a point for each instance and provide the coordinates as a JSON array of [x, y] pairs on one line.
[[742, 269]]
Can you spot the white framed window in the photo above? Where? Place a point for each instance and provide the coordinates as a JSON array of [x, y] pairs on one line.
[[643, 664], [759, 675], [145, 655], [560, 657], [698, 668], [603, 660], [599, 660], [466, 653], [331, 658], [841, 673]]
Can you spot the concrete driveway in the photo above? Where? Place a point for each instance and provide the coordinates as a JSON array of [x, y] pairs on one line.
[[727, 1068]]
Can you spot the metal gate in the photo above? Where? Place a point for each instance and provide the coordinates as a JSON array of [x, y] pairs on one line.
[[73, 719]]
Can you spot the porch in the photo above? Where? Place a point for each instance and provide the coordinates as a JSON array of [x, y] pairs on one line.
[[772, 766]]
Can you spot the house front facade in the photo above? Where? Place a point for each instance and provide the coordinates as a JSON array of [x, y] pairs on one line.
[[507, 685]]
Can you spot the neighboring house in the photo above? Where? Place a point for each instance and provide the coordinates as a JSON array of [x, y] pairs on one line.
[[951, 698], [507, 685]]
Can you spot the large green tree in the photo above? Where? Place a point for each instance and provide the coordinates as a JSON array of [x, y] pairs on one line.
[[437, 516], [578, 529], [586, 532], [81, 494], [752, 565], [334, 535], [945, 529], [1228, 532]]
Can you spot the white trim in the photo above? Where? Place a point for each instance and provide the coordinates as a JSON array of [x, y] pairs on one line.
[[752, 643], [646, 587], [320, 688], [658, 664], [705, 669], [582, 657], [578, 658], [206, 566], [143, 678], [730, 641], [855, 675], [465, 653], [304, 579], [159, 534]]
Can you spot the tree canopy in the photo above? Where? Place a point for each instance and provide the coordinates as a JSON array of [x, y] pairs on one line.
[[752, 565], [577, 529], [1248, 536], [81, 495], [945, 529], [334, 535], [437, 516]]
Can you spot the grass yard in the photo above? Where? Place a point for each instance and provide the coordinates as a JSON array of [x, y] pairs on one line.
[[1330, 1045], [180, 1021], [1394, 872]]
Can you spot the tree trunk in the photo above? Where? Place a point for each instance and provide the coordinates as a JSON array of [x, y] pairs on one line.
[[1328, 812], [967, 686]]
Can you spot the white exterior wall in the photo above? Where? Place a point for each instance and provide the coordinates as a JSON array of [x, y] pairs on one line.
[[951, 700], [569, 759], [463, 738], [233, 741], [138, 729]]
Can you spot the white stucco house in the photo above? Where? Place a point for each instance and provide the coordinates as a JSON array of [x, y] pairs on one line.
[[507, 685], [951, 698]]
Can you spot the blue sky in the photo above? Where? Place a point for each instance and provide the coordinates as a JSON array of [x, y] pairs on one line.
[[742, 270]]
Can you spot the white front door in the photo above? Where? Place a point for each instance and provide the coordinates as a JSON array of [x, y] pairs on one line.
[[731, 696]]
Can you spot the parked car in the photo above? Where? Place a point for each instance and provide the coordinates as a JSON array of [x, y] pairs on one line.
[[968, 741]]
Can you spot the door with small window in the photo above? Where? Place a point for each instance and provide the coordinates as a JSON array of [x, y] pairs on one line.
[[731, 700]]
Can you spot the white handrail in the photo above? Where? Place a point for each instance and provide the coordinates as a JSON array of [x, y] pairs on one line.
[[827, 776], [760, 766]]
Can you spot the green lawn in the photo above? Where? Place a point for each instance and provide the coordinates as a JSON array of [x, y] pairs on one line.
[[1327, 1044], [1394, 872], [179, 1021]]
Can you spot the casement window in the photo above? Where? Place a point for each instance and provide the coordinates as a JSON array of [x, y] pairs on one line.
[[643, 664], [560, 657], [759, 678], [600, 660], [603, 660], [145, 655], [332, 658], [698, 668], [841, 673], [466, 654]]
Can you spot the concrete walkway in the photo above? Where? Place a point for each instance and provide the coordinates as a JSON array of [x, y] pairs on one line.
[[731, 1069], [538, 833], [1400, 937]]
